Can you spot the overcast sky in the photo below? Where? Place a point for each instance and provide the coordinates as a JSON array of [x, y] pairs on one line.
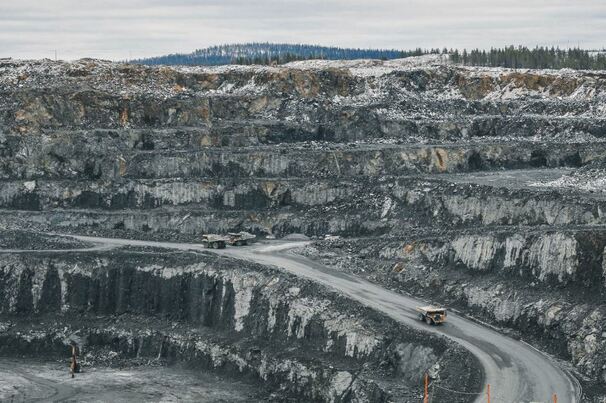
[[119, 29]]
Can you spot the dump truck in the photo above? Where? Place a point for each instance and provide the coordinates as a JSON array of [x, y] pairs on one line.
[[432, 315], [214, 241], [241, 238]]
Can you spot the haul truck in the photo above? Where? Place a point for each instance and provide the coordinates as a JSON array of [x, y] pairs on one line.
[[240, 238], [214, 241], [432, 315]]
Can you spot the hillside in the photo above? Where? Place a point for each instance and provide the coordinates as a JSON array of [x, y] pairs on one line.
[[260, 53], [272, 54]]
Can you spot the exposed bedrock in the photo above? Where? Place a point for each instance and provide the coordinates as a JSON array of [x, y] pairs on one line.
[[487, 205], [236, 317], [462, 181], [355, 206], [549, 285], [564, 258], [110, 156], [344, 104], [187, 225]]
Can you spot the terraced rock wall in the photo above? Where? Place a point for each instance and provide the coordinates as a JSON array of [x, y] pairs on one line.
[[319, 148], [237, 318], [461, 163], [547, 286]]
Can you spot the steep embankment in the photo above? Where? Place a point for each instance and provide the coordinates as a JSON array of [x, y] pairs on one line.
[[238, 318]]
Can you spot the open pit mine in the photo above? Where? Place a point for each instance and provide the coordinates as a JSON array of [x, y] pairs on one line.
[[372, 188]]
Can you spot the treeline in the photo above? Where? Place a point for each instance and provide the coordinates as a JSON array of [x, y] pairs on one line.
[[271, 53], [275, 53], [282, 58], [269, 59], [532, 58]]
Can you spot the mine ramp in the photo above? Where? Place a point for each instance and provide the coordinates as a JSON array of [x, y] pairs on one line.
[[240, 238], [214, 241], [432, 315]]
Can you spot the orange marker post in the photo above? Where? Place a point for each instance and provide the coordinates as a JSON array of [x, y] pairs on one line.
[[555, 398], [488, 393], [426, 394]]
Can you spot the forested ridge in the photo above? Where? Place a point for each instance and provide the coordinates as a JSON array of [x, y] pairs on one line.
[[532, 58], [271, 53]]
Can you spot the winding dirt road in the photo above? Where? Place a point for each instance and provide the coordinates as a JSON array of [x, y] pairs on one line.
[[515, 370]]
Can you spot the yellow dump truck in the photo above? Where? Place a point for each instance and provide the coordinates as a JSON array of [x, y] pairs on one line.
[[432, 315]]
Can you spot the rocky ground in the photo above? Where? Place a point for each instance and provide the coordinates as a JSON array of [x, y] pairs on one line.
[[17, 239], [26, 380], [480, 188], [248, 322]]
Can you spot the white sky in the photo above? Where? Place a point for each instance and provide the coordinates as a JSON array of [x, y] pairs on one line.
[[119, 29]]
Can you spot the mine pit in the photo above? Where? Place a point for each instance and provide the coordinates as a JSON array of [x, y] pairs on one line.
[[370, 189], [240, 320]]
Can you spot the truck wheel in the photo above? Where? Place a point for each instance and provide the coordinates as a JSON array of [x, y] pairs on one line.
[[428, 320], [422, 317], [215, 245]]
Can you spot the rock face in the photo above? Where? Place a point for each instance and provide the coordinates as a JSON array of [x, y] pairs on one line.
[[186, 144], [475, 186], [238, 320], [233, 148], [547, 285]]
